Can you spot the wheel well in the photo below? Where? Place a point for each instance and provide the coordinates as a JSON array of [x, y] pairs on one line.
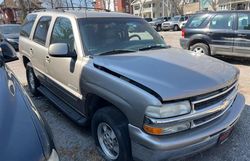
[[25, 61], [198, 41], [93, 103]]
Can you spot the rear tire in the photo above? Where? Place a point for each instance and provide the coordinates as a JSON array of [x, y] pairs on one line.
[[110, 132], [176, 28], [200, 48], [158, 28], [32, 80]]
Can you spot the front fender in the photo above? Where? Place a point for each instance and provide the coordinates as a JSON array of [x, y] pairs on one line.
[[128, 98]]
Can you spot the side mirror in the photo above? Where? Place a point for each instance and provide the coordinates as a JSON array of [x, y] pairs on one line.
[[60, 50], [7, 53]]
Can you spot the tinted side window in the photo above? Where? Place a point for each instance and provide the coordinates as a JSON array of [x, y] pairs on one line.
[[222, 21], [27, 25], [243, 21], [196, 21], [63, 33], [42, 30]]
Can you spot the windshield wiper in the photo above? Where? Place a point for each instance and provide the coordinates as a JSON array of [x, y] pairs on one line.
[[117, 51], [153, 47]]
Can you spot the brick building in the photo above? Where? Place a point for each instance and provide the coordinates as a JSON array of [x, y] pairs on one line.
[[114, 5]]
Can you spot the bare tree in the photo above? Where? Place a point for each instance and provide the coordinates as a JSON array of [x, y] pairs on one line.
[[141, 2], [214, 4], [178, 5]]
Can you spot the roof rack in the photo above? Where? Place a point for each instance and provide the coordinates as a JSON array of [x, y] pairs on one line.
[[92, 8]]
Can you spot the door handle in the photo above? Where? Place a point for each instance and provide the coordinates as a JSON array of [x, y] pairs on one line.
[[31, 51], [242, 35], [47, 58], [210, 33]]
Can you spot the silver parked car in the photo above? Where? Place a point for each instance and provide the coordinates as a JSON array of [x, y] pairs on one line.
[[145, 100], [175, 23]]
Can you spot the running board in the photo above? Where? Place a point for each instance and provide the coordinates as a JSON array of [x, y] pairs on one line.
[[66, 109]]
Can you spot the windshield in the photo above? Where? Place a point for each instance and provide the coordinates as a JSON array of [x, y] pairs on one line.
[[175, 18], [9, 29], [101, 35]]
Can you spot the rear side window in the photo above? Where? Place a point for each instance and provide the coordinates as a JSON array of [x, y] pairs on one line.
[[222, 21], [196, 21], [243, 21], [63, 33], [27, 25], [42, 30]]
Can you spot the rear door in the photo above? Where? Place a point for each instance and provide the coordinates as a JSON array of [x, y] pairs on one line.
[[24, 39], [221, 32], [38, 49], [242, 39]]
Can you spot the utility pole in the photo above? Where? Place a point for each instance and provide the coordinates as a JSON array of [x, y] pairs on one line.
[[52, 4], [163, 8]]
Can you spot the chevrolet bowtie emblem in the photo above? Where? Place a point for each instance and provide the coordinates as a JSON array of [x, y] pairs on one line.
[[224, 104]]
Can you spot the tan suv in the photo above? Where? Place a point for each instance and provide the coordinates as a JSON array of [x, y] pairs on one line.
[[144, 99]]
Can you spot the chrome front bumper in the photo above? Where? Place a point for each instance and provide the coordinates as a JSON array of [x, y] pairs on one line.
[[153, 148]]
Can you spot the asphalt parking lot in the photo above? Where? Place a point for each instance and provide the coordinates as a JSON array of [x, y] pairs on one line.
[[75, 143]]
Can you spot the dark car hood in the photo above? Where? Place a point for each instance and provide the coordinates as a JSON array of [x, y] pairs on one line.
[[155, 21], [11, 36], [171, 73], [18, 137]]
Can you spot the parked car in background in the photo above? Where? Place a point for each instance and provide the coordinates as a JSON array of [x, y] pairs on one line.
[[156, 23], [225, 33], [10, 33], [24, 134], [144, 100], [148, 19], [175, 23], [182, 24]]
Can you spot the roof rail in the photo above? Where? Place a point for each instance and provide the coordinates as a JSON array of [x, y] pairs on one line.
[[68, 8]]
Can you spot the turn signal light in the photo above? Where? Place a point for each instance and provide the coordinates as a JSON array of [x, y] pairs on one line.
[[153, 130]]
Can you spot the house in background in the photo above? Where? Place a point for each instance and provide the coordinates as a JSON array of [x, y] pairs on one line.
[[114, 5], [153, 8], [234, 5]]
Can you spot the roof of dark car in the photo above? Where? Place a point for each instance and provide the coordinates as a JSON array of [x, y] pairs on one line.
[[226, 11]]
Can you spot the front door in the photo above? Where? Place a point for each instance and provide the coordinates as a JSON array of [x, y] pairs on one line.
[[64, 73], [242, 39], [221, 32]]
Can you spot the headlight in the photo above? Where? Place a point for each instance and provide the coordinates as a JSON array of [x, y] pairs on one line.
[[53, 156], [169, 110]]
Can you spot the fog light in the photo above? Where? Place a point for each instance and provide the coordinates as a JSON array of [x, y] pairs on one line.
[[162, 129]]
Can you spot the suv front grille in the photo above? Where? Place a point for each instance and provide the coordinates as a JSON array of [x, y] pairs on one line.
[[205, 108], [214, 106], [212, 99]]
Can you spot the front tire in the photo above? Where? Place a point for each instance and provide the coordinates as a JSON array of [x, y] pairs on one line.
[[200, 48], [32, 80], [110, 132]]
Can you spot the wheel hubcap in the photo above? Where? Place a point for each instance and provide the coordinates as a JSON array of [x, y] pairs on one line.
[[31, 80], [108, 141], [199, 50]]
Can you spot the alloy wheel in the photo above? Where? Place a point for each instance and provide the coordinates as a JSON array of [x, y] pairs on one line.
[[108, 141]]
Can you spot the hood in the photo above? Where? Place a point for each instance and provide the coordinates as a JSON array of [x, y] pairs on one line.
[[171, 73], [175, 22], [18, 137], [155, 21], [11, 36]]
